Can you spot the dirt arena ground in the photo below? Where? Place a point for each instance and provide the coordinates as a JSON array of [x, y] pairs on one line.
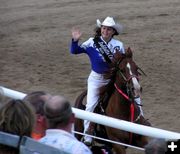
[[34, 48]]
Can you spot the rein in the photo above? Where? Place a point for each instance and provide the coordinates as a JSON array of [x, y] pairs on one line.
[[142, 71], [131, 107], [122, 93], [127, 98], [127, 80]]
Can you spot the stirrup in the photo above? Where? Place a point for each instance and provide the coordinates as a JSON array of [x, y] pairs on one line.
[[88, 142]]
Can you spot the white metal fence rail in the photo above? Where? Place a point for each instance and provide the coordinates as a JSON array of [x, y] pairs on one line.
[[108, 121]]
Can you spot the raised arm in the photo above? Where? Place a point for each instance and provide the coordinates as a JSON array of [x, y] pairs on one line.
[[76, 35]]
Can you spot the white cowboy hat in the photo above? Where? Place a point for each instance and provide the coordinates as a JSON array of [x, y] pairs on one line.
[[109, 22]]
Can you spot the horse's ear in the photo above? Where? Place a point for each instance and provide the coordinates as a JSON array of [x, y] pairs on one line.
[[116, 57], [129, 53]]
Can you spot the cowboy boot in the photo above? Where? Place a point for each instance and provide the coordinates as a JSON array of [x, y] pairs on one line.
[[87, 139]]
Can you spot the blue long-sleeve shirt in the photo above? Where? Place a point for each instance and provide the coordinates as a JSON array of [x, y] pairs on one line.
[[98, 63]]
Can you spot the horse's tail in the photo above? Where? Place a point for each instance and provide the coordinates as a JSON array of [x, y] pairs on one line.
[[78, 125]]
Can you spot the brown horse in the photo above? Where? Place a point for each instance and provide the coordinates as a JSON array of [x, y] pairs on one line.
[[117, 100]]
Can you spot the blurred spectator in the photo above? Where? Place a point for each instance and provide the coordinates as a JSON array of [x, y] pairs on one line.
[[16, 117], [60, 121], [156, 146], [37, 99], [101, 150]]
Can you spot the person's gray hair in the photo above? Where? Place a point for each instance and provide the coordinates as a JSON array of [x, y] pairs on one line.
[[58, 111], [156, 146]]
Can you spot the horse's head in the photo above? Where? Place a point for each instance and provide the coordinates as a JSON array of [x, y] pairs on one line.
[[122, 103], [127, 73]]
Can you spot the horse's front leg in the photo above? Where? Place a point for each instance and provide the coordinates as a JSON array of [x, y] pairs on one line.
[[119, 149], [119, 136], [142, 141]]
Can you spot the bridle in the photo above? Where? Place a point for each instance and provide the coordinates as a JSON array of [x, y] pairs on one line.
[[127, 80], [129, 95]]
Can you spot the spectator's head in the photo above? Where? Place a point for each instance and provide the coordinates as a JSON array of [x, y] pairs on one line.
[[37, 99], [59, 113], [16, 117], [156, 146]]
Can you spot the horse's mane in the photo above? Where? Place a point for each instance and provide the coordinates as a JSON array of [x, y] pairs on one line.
[[118, 55]]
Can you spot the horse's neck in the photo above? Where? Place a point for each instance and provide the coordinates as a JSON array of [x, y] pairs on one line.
[[119, 104], [118, 107]]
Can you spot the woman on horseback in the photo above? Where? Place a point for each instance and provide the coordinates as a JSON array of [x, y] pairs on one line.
[[100, 50]]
